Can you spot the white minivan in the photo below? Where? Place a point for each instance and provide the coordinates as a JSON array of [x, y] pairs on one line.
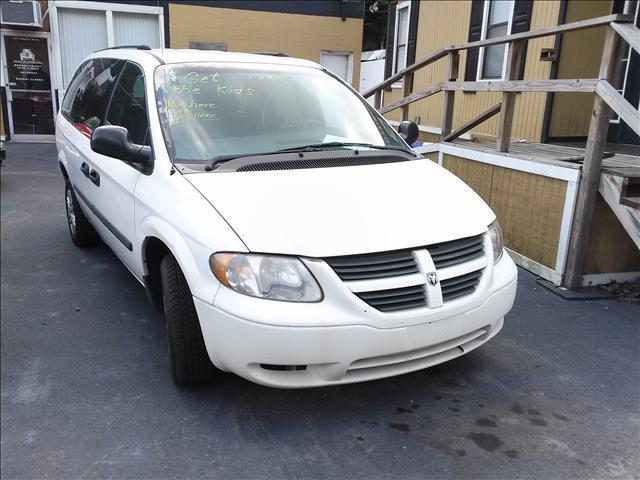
[[287, 232]]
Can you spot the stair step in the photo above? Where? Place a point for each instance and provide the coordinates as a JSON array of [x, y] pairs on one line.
[[633, 202], [631, 187]]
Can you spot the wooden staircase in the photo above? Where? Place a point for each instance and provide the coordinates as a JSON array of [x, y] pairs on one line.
[[619, 191], [630, 195], [622, 194]]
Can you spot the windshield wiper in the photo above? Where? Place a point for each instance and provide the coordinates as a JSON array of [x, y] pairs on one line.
[[212, 162], [313, 147], [321, 146]]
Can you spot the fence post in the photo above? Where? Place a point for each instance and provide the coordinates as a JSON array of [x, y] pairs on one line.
[[590, 177], [514, 58], [453, 62], [407, 87], [377, 100]]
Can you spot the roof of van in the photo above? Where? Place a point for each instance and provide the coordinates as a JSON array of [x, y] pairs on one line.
[[173, 55]]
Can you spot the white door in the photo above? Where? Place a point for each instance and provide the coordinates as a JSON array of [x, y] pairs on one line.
[[340, 63], [102, 184], [117, 179]]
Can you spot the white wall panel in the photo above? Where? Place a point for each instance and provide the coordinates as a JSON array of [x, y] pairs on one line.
[[81, 32], [136, 29]]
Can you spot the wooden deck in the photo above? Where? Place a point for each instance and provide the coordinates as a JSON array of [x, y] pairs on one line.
[[627, 166]]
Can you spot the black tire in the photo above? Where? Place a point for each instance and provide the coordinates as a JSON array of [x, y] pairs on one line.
[[190, 363], [81, 231]]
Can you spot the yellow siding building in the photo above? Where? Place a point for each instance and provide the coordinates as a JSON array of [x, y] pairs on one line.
[[538, 116]]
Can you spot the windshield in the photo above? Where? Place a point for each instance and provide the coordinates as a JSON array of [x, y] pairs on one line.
[[210, 110]]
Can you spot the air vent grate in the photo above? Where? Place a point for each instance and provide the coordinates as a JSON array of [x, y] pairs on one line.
[[460, 286], [330, 162], [372, 266], [451, 253], [395, 299]]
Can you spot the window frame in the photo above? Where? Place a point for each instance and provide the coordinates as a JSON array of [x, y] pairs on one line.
[[400, 6], [145, 169], [146, 103], [67, 114], [483, 36], [626, 60], [80, 71], [149, 167]]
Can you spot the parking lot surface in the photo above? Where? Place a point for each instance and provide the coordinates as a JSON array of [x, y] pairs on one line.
[[86, 391]]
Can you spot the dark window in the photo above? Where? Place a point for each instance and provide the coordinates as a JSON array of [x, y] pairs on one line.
[[496, 25], [128, 107], [493, 17], [85, 102], [401, 36]]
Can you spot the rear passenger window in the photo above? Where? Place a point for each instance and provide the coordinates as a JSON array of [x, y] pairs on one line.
[[85, 102], [128, 106]]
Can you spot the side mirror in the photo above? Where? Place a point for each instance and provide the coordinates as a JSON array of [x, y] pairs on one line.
[[113, 141], [408, 131]]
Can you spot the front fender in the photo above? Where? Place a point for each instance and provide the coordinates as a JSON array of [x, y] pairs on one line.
[[192, 256]]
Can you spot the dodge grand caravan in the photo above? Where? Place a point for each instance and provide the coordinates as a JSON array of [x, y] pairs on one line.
[[285, 230]]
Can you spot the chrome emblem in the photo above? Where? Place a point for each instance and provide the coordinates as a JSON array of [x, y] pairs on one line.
[[432, 279]]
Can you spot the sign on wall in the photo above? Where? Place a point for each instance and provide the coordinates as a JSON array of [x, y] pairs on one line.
[[27, 63]]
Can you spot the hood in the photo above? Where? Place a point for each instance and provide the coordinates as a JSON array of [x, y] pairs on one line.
[[323, 212]]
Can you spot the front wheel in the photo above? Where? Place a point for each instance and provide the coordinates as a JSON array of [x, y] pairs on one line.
[[190, 364], [81, 231]]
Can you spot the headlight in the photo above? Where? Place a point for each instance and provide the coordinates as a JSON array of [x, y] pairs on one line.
[[266, 276], [495, 233]]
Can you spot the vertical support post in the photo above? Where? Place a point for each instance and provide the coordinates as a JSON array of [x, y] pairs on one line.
[[377, 100], [407, 87], [453, 62], [505, 122], [590, 177]]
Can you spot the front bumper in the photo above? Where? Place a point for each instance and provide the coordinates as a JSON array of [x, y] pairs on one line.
[[346, 349]]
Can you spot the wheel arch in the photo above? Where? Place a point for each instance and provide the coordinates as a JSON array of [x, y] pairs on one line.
[[153, 251], [160, 239], [62, 165], [63, 171]]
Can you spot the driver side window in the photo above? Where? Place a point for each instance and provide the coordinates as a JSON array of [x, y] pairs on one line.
[[128, 107]]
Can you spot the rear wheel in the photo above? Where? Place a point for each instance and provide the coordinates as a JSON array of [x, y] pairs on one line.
[[190, 364], [81, 231]]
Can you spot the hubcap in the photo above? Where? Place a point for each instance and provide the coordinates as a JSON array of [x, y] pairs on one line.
[[71, 214]]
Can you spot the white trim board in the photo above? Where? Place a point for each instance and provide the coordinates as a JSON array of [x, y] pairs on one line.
[[565, 228], [602, 278], [535, 267], [114, 7], [429, 129], [510, 162], [513, 163], [428, 148]]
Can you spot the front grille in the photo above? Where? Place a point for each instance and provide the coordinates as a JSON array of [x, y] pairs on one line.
[[377, 265], [451, 253], [395, 299], [459, 286]]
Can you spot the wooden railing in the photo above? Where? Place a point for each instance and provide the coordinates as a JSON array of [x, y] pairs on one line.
[[607, 99]]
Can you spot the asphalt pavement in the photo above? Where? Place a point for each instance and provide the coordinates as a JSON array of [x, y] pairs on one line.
[[86, 393]]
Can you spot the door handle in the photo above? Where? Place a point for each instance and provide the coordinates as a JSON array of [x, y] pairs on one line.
[[94, 176], [84, 168]]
